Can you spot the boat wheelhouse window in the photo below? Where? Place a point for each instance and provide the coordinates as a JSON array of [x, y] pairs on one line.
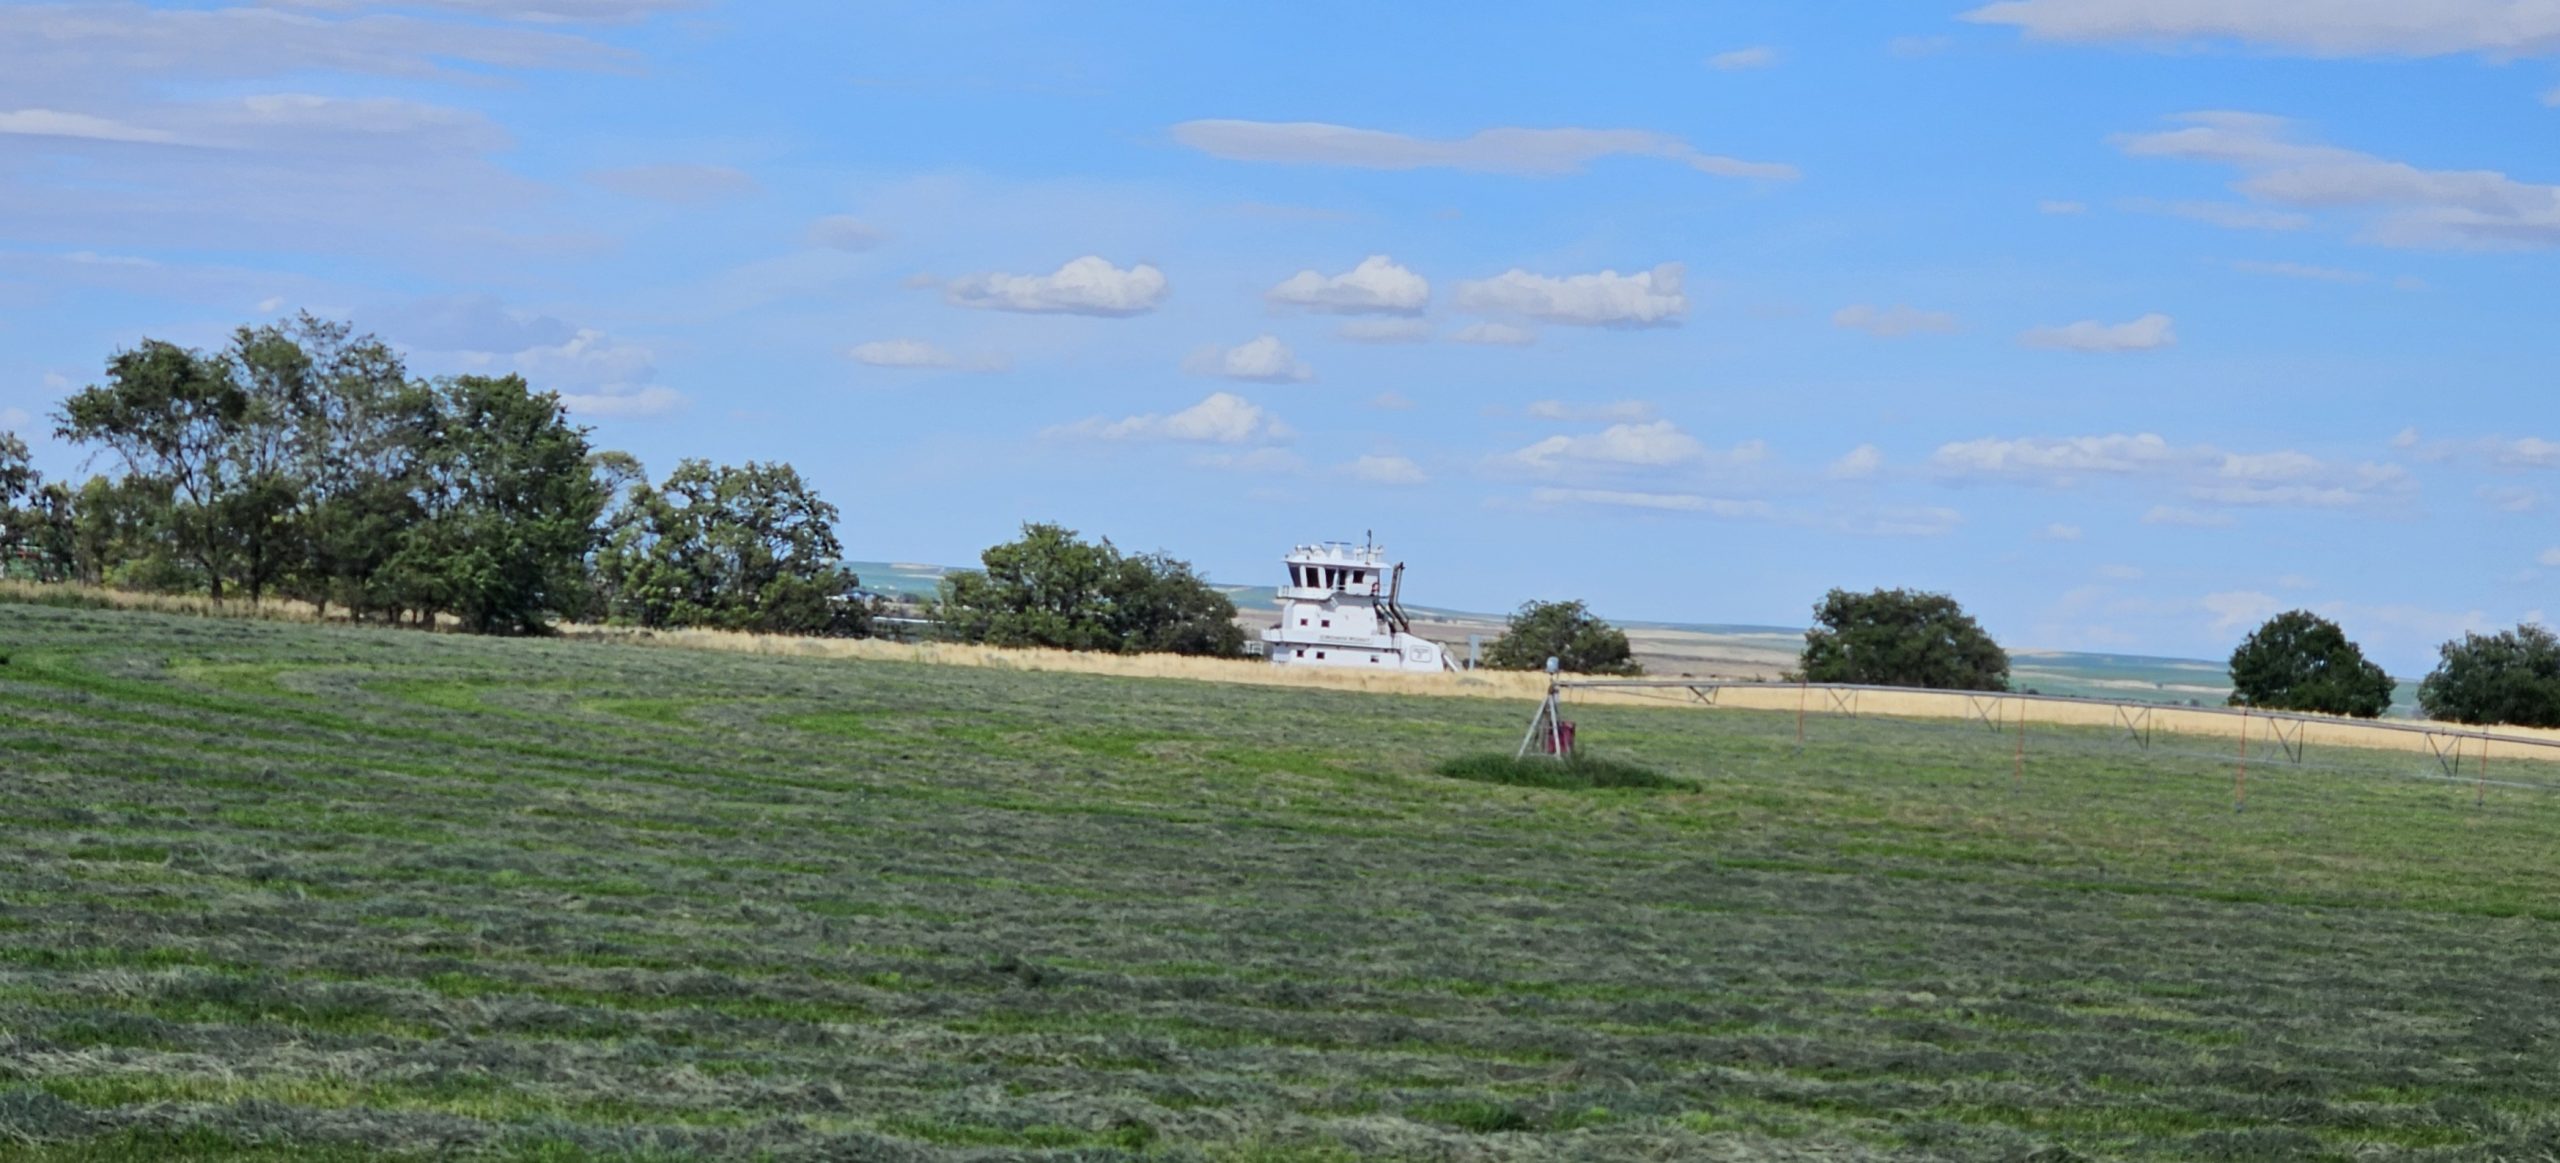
[[1358, 576], [1328, 623]]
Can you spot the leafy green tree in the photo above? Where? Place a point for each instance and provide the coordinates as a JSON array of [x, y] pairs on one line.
[[1566, 631], [1050, 588], [336, 415], [1160, 605], [19, 479], [170, 414], [2511, 678], [2299, 661], [1901, 638], [509, 503], [750, 549]]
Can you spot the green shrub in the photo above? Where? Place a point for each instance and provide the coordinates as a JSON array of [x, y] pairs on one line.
[[1577, 771]]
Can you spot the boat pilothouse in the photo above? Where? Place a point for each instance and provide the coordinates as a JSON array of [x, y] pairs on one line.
[[1342, 606]]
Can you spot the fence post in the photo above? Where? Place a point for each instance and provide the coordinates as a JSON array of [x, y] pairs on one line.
[[2240, 774], [2018, 766]]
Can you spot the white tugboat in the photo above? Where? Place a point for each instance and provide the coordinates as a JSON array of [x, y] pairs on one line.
[[1341, 607]]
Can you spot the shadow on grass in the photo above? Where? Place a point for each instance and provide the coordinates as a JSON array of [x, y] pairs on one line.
[[1577, 771]]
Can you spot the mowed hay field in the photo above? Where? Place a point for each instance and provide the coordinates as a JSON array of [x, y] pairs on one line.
[[278, 891]]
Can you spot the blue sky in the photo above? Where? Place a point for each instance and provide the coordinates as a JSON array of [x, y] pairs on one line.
[[2128, 322]]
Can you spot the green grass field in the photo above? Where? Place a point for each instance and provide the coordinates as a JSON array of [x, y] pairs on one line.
[[278, 892]]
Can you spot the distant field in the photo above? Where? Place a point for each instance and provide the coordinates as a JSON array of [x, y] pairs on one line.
[[282, 891], [1741, 651]]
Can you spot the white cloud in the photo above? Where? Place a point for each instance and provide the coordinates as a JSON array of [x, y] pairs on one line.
[[1506, 150], [1892, 322], [2185, 518], [1636, 445], [1923, 521], [2058, 531], [637, 403], [2228, 215], [1085, 286], [15, 419], [2148, 333], [1672, 502], [1385, 331], [2295, 270], [2511, 498], [2405, 439], [1858, 463], [1615, 411], [916, 353], [1494, 335], [615, 376], [1222, 418], [2057, 206], [1391, 402], [2233, 609], [1263, 359], [1607, 299], [2203, 473], [2327, 28], [1758, 56], [843, 232], [677, 184], [1376, 286], [2404, 205], [56, 123], [2520, 452], [2550, 557], [1386, 470]]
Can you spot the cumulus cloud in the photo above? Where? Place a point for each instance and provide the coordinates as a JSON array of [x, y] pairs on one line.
[[2330, 28], [1494, 335], [1084, 286], [1671, 502], [843, 232], [1758, 56], [916, 353], [1263, 359], [2402, 204], [1626, 445], [2148, 333], [1607, 299], [1540, 152], [636, 403], [1222, 418], [1376, 286], [1386, 470], [2509, 452], [1858, 463], [677, 184], [1385, 331], [1891, 322], [2202, 473], [2511, 498]]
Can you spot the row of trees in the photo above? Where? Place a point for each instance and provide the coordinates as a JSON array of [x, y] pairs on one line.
[[2296, 661], [303, 461]]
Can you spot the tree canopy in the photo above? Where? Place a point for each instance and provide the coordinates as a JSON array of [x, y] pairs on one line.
[[1051, 588], [2299, 661], [1568, 632], [302, 459], [750, 548], [2510, 678], [1901, 638]]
